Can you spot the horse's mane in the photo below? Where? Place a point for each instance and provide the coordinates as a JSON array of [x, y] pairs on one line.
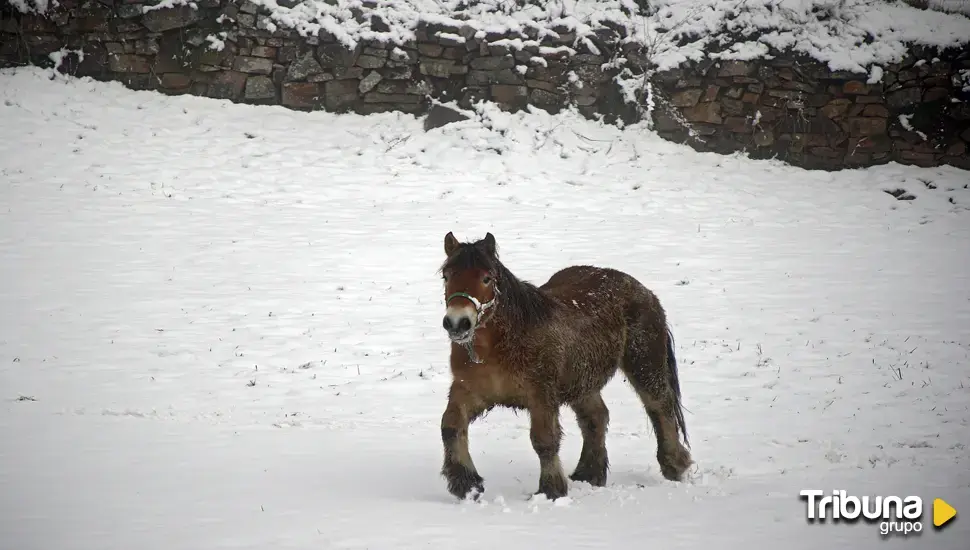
[[520, 303]]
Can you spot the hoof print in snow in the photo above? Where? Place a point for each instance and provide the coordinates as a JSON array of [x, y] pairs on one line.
[[900, 194], [439, 116]]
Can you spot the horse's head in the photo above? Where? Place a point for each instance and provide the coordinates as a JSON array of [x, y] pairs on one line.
[[470, 275]]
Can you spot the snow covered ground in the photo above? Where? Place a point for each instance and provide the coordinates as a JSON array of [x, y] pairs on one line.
[[221, 329]]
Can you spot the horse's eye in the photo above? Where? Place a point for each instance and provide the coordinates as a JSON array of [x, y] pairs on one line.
[[486, 280]]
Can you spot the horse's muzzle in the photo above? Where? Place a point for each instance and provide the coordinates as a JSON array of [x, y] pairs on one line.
[[458, 326]]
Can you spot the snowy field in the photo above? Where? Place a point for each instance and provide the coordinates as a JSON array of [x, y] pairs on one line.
[[221, 329]]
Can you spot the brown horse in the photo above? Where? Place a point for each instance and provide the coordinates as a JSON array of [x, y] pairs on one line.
[[538, 348]]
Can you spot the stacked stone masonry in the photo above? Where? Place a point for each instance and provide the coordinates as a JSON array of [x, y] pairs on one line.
[[796, 109], [224, 50], [786, 107]]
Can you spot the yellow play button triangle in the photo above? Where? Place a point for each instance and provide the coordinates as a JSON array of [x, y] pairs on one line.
[[942, 512]]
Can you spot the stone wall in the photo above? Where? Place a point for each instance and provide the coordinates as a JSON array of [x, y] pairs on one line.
[[797, 110], [230, 49], [787, 107]]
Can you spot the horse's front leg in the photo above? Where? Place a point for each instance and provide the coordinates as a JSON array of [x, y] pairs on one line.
[[546, 435], [458, 469]]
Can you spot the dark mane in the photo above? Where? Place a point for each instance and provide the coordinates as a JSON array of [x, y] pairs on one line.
[[521, 303]]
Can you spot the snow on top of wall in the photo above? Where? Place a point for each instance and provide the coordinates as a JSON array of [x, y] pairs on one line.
[[849, 35], [32, 6], [845, 34], [952, 6]]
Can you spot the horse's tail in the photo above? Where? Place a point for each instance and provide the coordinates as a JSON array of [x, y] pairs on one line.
[[674, 381]]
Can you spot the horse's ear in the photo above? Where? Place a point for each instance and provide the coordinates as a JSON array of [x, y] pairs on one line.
[[489, 243], [451, 243]]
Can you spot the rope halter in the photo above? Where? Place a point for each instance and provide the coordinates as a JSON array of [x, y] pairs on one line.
[[480, 311], [480, 308]]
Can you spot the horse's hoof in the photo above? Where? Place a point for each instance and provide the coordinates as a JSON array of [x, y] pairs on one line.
[[474, 494], [551, 495], [552, 491], [674, 464], [596, 480], [466, 485]]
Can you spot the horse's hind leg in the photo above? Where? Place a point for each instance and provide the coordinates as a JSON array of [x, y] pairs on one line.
[[650, 365], [458, 469], [673, 457], [593, 417]]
